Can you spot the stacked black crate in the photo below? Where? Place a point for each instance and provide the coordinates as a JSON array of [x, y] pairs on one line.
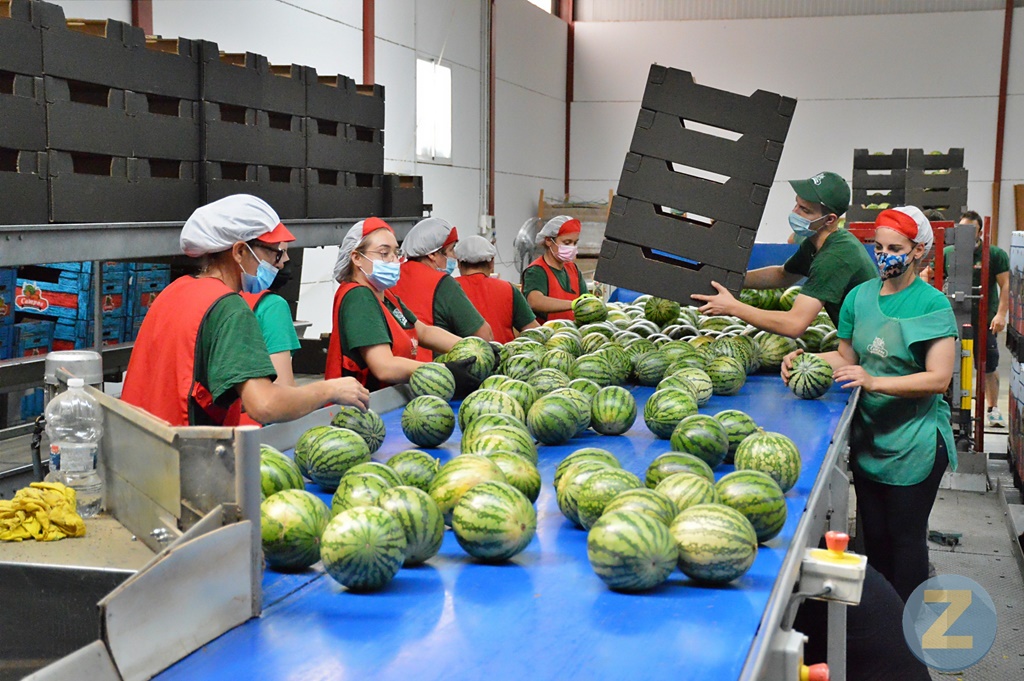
[[937, 181], [344, 147], [879, 182], [693, 187], [254, 138], [403, 195], [23, 161]]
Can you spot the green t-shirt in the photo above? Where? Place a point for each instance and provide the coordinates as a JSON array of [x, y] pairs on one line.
[[275, 319], [453, 310], [833, 271], [998, 263], [536, 279], [361, 322], [231, 351], [521, 312]]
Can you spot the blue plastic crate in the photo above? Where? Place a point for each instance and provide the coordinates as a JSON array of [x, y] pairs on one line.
[[6, 339], [78, 335], [8, 282], [148, 267], [143, 288], [65, 299], [32, 338]]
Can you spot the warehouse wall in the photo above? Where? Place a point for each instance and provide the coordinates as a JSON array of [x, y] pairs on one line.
[[924, 80]]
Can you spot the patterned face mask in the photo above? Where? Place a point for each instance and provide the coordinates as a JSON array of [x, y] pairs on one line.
[[890, 265]]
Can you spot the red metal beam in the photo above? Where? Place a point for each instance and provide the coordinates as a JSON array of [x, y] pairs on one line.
[[142, 15], [369, 33], [1004, 73], [565, 11], [491, 95]]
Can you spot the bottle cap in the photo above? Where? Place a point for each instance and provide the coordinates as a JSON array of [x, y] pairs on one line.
[[76, 383]]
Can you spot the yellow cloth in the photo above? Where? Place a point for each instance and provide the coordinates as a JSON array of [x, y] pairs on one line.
[[44, 511]]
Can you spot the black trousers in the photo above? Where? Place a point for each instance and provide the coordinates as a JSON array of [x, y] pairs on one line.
[[894, 520]]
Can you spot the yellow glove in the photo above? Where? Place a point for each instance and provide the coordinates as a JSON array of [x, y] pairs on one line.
[[43, 511]]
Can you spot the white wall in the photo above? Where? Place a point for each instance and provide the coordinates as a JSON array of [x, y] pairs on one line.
[[922, 81], [121, 10]]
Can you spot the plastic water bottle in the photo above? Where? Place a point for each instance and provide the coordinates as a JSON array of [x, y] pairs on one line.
[[74, 425]]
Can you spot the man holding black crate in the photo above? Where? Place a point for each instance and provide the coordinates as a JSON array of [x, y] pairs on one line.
[[830, 257]]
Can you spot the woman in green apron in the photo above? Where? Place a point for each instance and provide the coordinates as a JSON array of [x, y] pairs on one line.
[[897, 343]]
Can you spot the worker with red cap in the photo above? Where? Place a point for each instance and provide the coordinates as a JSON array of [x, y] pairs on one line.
[[897, 342], [200, 357], [500, 303], [553, 280], [375, 337], [427, 287]]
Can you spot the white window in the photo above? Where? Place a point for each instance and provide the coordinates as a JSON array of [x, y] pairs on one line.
[[433, 112]]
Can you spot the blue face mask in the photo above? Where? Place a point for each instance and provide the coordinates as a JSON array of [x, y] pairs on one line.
[[384, 275], [801, 226], [261, 281], [450, 265], [890, 265]]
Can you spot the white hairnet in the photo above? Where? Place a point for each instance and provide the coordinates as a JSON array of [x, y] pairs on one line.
[[353, 237], [216, 226], [560, 224], [427, 236], [475, 249], [925, 235]]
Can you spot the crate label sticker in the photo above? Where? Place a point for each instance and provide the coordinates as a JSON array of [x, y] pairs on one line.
[[30, 297]]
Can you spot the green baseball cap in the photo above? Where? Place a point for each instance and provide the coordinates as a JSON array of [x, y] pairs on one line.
[[825, 188]]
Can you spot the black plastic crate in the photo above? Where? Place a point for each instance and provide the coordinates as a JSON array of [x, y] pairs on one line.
[[866, 197], [864, 159], [88, 187], [21, 46], [163, 127], [283, 188], [861, 213], [335, 194], [87, 117], [403, 196], [23, 186], [167, 67], [918, 158], [642, 269], [952, 202], [22, 112], [92, 51], [955, 178], [344, 146], [865, 179], [248, 80], [239, 134], [338, 98], [163, 189]]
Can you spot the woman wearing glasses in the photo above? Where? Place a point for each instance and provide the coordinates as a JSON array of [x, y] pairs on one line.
[[375, 336], [272, 311], [200, 358]]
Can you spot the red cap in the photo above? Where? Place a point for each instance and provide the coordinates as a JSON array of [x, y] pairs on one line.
[[277, 235], [898, 222], [570, 227], [453, 236], [371, 225]]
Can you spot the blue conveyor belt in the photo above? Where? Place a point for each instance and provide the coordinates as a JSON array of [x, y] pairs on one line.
[[544, 615]]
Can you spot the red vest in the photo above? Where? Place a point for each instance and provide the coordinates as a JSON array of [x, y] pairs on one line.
[[555, 289], [417, 287], [161, 372], [403, 341], [492, 298], [253, 300]]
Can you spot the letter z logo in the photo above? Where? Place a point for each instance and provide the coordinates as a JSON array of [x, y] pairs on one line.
[[935, 637]]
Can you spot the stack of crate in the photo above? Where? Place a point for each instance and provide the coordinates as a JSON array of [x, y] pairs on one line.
[[879, 182], [937, 180], [693, 187], [8, 282], [145, 282]]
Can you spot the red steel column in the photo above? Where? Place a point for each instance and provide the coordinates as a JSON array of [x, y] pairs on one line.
[[565, 10], [142, 15], [1004, 71], [369, 33]]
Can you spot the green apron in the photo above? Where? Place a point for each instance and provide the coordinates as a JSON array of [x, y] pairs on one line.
[[892, 439]]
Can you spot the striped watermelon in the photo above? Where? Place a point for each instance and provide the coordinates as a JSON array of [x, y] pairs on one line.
[[788, 297], [676, 350], [494, 521], [717, 544], [812, 337], [291, 522], [379, 469], [332, 454], [810, 376], [631, 551], [679, 383], [361, 489], [595, 367], [715, 323], [501, 353], [458, 476], [758, 497], [700, 381], [572, 480], [745, 347], [428, 421], [829, 342], [546, 380], [599, 489], [368, 425], [520, 391], [538, 334], [649, 501], [432, 379], [494, 382], [566, 341], [305, 443], [650, 368], [703, 436], [501, 438], [613, 411], [278, 472], [520, 472], [558, 359], [661, 311], [582, 404], [585, 386], [585, 454], [592, 342], [727, 375], [694, 361], [482, 424], [363, 548], [471, 346], [637, 347], [773, 349], [671, 463], [520, 366], [687, 489], [738, 425], [665, 409], [420, 519], [553, 419], [483, 402], [416, 468], [620, 362], [771, 453], [588, 309]]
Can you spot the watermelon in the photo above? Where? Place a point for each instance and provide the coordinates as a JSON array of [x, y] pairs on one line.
[[637, 347], [788, 297], [650, 368], [440, 359], [592, 342], [715, 323], [291, 522], [679, 383], [494, 521], [738, 425], [694, 361], [546, 380], [773, 348], [501, 438], [588, 309], [553, 419], [688, 489], [572, 480], [558, 359], [305, 443], [494, 382], [459, 475], [568, 342], [520, 391], [810, 376], [727, 375], [676, 350], [367, 424], [585, 454], [585, 386], [416, 468], [582, 405], [384, 471], [332, 454], [613, 411], [278, 472], [670, 463], [621, 366], [363, 548], [483, 402], [665, 409], [471, 346], [482, 424], [538, 334], [361, 489], [771, 453], [631, 551], [421, 521], [829, 342], [703, 436], [520, 472], [758, 497], [599, 489], [661, 311], [654, 503], [428, 421], [717, 544], [520, 366], [432, 379], [699, 380], [595, 367]]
